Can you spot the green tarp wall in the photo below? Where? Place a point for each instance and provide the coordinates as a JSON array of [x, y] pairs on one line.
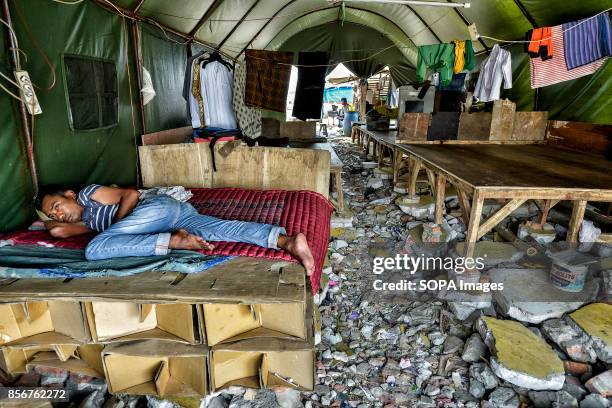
[[70, 157]]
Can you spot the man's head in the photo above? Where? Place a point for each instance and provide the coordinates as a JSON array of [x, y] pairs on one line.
[[59, 203], [344, 101]]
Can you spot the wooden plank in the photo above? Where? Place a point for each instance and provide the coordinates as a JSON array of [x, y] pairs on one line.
[[240, 280], [576, 221], [586, 137], [431, 176], [502, 120], [298, 130], [170, 136], [413, 126], [499, 215], [440, 192], [530, 126], [474, 126], [545, 209], [472, 231], [339, 191], [264, 168]]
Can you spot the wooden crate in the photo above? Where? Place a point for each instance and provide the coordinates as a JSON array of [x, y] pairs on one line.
[[413, 127], [495, 126], [502, 120]]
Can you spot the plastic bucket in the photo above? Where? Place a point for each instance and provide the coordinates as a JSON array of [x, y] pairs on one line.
[[349, 118], [569, 278]]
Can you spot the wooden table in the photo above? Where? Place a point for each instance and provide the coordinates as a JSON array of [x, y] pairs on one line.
[[516, 173], [335, 168]]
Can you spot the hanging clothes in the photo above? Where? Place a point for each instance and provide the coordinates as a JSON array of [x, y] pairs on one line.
[[554, 70], [249, 119], [457, 84], [268, 74], [437, 57], [217, 85], [310, 85], [540, 43], [497, 68], [587, 40], [465, 59], [188, 80], [197, 104]]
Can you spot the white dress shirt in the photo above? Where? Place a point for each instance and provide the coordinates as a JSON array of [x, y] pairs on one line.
[[217, 83], [494, 70]]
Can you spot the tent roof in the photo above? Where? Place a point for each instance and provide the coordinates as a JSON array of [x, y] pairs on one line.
[[234, 25]]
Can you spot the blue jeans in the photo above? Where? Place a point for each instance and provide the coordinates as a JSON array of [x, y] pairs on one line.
[[146, 231]]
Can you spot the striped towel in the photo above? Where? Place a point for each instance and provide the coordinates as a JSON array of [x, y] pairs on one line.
[[587, 40], [554, 70]]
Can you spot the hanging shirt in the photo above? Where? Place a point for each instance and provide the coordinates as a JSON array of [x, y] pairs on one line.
[[587, 40], [194, 106], [493, 71], [554, 70], [217, 85], [437, 57], [465, 59], [96, 216]]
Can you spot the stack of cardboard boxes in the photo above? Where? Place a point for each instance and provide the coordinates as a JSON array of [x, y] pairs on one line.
[[164, 349]]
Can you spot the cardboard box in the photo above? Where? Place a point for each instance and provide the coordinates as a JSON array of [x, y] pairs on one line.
[[413, 127], [154, 367], [263, 363], [298, 130], [227, 322], [126, 321], [21, 320], [51, 350]]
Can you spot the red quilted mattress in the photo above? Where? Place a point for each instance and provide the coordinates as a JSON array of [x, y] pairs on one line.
[[298, 211]]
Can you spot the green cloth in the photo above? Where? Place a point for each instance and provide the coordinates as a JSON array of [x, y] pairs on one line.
[[439, 58], [469, 56]]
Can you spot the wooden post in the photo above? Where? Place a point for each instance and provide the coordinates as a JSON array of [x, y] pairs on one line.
[[362, 101], [576, 221], [339, 192], [397, 164], [380, 152], [545, 209], [472, 232], [499, 215], [431, 176], [464, 202], [414, 174], [440, 192]]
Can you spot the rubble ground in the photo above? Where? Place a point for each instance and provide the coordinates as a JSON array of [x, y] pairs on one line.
[[429, 349]]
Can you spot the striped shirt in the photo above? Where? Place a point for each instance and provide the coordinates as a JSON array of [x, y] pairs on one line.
[[96, 216], [587, 40], [554, 70]]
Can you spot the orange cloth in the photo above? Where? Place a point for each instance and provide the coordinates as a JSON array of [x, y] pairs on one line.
[[540, 44]]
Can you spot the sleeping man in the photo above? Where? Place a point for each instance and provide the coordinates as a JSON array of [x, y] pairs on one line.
[[128, 226]]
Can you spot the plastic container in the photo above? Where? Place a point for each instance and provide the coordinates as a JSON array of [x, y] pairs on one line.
[[569, 270], [349, 118]]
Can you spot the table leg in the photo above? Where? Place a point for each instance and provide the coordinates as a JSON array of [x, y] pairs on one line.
[[381, 154], [339, 192], [547, 205], [440, 193], [414, 174], [576, 221], [472, 232], [466, 208], [397, 163]]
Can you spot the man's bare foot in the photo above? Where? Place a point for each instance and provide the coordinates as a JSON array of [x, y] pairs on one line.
[[181, 239], [298, 247]]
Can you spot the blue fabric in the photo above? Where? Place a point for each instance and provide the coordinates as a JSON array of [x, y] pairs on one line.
[[146, 230], [587, 40], [456, 84], [26, 262], [96, 216]]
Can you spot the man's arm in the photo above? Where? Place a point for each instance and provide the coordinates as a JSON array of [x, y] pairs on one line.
[[126, 198], [66, 229]]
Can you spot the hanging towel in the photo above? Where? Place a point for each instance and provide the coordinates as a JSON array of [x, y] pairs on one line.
[[587, 40], [540, 43], [493, 71], [268, 75], [437, 57], [554, 70], [465, 59], [310, 85], [249, 119]]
